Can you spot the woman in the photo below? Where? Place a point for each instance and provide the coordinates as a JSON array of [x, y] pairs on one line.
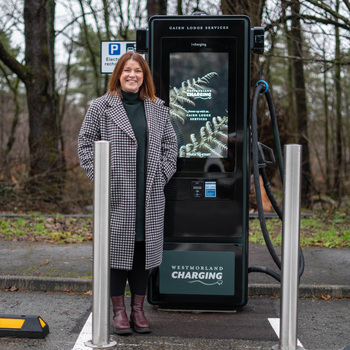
[[143, 156]]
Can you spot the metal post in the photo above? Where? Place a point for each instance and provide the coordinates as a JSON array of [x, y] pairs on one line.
[[290, 248], [101, 242]]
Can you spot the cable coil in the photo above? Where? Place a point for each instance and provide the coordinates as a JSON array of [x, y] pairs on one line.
[[260, 86]]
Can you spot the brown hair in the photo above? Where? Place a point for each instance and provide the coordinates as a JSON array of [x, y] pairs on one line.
[[147, 89]]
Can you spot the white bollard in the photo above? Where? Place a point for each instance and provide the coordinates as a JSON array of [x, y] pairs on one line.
[[290, 248], [101, 243]]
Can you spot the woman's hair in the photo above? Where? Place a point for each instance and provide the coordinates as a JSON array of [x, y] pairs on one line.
[[147, 89]]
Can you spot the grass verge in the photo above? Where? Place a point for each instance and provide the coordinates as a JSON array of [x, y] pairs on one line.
[[46, 229], [330, 229]]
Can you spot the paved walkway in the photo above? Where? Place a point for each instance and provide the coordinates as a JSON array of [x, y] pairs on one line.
[[59, 267]]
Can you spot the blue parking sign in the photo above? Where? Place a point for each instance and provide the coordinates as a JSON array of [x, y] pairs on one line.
[[114, 49]]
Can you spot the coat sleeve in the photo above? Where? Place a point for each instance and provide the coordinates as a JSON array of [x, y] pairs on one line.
[[89, 133], [168, 151]]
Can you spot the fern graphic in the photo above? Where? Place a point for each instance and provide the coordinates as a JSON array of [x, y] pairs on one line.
[[210, 136], [213, 136], [178, 96]]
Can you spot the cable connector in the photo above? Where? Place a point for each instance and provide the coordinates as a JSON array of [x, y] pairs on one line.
[[263, 162], [265, 83]]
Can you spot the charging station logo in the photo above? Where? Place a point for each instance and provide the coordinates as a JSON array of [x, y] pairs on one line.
[[202, 274], [114, 49], [197, 272], [202, 94]]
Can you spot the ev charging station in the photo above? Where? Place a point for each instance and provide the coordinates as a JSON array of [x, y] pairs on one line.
[[201, 69]]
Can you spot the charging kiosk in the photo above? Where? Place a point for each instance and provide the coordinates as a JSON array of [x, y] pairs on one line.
[[201, 68]]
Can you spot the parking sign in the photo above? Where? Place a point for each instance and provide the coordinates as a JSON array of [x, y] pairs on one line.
[[114, 49], [111, 52]]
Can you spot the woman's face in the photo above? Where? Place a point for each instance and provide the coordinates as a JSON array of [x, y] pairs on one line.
[[132, 76]]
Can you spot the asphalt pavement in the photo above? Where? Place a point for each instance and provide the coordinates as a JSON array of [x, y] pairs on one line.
[[52, 280], [62, 267]]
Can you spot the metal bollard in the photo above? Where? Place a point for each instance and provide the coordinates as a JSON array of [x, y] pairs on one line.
[[101, 242], [290, 248]]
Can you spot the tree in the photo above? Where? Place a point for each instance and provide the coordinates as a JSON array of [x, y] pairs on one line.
[[156, 7], [339, 149], [38, 76], [13, 85], [301, 102], [93, 55], [179, 7], [337, 16], [254, 9]]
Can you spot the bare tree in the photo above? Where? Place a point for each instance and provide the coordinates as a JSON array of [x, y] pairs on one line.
[[93, 55], [339, 149], [254, 9], [14, 89], [156, 7], [301, 102], [326, 126], [38, 76], [179, 8]]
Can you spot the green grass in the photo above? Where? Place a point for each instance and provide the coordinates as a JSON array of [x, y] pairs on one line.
[[331, 230], [50, 230]]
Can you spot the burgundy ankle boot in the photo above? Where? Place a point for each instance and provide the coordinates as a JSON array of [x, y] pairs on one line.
[[137, 318], [120, 319]]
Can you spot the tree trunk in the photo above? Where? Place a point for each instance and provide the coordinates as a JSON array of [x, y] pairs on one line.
[[254, 10], [326, 128], [179, 7], [156, 7], [301, 104], [45, 165], [15, 119], [162, 7], [337, 188], [90, 51], [291, 127], [106, 19], [151, 8]]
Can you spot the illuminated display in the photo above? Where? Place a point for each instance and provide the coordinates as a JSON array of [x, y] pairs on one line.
[[198, 98]]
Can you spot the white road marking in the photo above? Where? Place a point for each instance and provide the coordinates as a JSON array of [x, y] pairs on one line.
[[84, 336], [86, 333], [275, 324]]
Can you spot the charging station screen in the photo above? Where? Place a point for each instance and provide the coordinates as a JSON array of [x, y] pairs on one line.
[[198, 98]]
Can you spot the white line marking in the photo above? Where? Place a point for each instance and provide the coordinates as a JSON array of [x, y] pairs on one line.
[[275, 324], [86, 333], [84, 336]]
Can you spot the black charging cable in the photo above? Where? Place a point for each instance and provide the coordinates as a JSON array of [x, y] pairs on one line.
[[262, 87]]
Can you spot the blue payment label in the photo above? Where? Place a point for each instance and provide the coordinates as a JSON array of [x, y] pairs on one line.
[[114, 49], [210, 189]]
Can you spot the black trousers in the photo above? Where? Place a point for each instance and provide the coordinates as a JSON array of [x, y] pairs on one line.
[[137, 277]]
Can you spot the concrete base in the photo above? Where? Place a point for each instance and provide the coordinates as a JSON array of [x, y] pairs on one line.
[[109, 345]]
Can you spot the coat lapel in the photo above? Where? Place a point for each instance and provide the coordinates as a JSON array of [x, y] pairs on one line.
[[118, 114], [153, 112]]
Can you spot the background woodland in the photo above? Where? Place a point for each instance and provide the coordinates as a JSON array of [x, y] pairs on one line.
[[50, 73]]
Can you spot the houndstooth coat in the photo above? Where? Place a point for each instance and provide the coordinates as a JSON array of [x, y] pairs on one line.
[[106, 119]]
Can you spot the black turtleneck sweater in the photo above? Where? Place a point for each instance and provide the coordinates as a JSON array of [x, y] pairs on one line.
[[136, 114]]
